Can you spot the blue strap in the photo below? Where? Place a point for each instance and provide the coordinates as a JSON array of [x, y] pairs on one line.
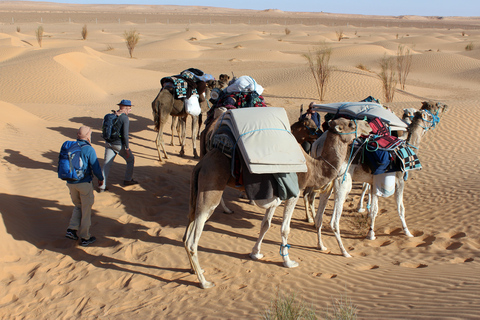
[[284, 246]]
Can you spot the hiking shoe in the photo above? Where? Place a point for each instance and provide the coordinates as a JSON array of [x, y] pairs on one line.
[[85, 243], [71, 234], [129, 183], [100, 190]]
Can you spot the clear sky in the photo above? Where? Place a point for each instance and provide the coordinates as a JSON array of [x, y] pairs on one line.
[[376, 7]]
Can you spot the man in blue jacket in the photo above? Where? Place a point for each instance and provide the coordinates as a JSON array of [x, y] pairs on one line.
[[81, 191]]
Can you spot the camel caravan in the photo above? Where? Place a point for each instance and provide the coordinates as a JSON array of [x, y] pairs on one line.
[[248, 146]]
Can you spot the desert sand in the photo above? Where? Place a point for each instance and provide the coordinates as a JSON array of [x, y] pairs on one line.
[[138, 268]]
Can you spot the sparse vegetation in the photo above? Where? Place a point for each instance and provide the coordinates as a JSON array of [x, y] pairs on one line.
[[84, 32], [131, 39], [340, 34], [109, 47], [287, 31], [287, 307], [388, 77], [39, 34], [318, 63], [404, 63], [361, 66], [342, 309], [469, 46]]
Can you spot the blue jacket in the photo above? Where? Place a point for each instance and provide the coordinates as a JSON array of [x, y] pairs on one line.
[[90, 163]]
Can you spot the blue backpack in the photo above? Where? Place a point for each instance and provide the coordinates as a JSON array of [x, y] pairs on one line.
[[70, 164], [111, 127]]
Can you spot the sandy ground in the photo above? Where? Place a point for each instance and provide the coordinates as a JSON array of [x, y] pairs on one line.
[[138, 268]]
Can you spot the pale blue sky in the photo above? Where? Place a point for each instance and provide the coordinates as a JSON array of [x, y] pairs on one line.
[[376, 7]]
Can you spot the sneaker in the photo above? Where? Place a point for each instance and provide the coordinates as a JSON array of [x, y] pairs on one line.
[[100, 190], [129, 183], [85, 243], [71, 234]]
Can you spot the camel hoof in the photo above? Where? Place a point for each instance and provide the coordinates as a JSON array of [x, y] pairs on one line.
[[310, 220], [361, 210], [371, 237], [256, 256], [408, 234], [322, 248], [228, 211], [290, 264], [207, 285], [347, 255]]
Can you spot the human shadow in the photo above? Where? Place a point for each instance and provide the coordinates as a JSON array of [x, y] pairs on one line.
[[23, 215]]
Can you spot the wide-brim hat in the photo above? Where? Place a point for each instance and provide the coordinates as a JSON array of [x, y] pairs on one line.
[[126, 103]]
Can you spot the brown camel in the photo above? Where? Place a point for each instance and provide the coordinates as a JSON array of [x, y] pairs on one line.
[[425, 119], [166, 105], [212, 174]]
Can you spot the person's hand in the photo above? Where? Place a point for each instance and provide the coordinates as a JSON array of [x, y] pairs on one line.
[[128, 152], [100, 183]]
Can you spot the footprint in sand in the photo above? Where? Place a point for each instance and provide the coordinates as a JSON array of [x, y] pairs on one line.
[[325, 275], [461, 260], [410, 265], [366, 267]]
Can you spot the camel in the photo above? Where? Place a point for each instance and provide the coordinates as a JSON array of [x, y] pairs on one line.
[[166, 105], [425, 119], [212, 174]]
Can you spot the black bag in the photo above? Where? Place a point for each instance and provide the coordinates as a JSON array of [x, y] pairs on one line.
[[111, 127]]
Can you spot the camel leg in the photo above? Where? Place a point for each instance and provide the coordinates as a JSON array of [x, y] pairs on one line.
[[174, 127], [270, 206], [285, 231], [373, 215], [181, 129], [309, 203], [365, 190], [343, 188], [225, 208], [322, 204], [400, 187], [194, 136], [160, 144]]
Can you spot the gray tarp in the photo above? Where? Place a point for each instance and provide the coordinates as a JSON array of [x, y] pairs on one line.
[[360, 110], [264, 139]]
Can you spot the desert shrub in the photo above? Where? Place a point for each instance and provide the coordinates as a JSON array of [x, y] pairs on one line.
[[404, 63], [84, 32], [388, 77], [39, 34], [340, 34], [363, 67], [288, 307], [342, 309], [287, 31], [131, 39], [109, 47], [469, 46], [318, 62]]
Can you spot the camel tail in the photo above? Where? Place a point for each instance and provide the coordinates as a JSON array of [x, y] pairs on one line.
[[156, 111]]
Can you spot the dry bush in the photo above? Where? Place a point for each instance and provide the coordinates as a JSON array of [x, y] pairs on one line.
[[388, 77], [340, 34], [361, 66], [84, 32], [287, 31], [109, 47], [318, 62], [469, 47], [131, 39], [39, 34], [404, 63]]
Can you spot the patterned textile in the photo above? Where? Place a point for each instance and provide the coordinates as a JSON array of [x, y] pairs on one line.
[[180, 85], [383, 138], [408, 159]]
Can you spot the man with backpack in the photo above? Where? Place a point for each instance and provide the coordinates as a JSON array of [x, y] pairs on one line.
[[81, 190], [115, 130]]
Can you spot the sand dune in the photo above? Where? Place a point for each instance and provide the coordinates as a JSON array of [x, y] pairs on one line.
[[138, 268]]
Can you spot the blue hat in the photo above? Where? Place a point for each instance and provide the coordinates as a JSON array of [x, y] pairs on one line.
[[124, 102]]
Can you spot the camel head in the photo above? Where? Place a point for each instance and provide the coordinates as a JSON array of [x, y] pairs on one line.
[[436, 108], [349, 129], [305, 130]]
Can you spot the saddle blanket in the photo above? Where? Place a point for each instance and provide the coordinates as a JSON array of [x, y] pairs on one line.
[[264, 139]]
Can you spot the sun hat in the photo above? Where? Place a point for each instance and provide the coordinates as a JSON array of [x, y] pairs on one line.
[[124, 102]]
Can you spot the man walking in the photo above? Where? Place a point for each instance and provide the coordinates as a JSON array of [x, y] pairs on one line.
[[81, 191], [120, 146]]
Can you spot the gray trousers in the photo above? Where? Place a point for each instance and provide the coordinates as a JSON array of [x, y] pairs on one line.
[[111, 151], [83, 198]]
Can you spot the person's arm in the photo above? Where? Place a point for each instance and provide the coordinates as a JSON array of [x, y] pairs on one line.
[[95, 165], [125, 130]]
